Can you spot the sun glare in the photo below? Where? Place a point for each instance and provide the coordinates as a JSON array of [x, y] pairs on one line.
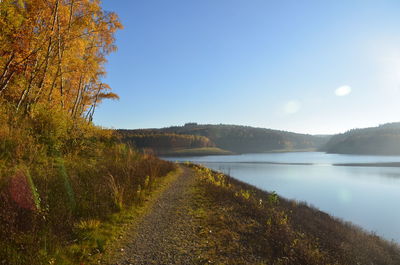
[[292, 107], [343, 91]]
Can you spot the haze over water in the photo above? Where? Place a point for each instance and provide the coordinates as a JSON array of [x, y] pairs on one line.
[[366, 196]]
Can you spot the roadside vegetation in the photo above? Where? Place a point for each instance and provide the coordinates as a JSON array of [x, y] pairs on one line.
[[61, 177], [60, 180], [244, 225]]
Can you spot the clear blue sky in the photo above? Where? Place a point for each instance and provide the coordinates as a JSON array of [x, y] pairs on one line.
[[304, 66]]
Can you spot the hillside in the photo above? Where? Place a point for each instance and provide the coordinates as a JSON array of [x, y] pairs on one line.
[[233, 138], [381, 140]]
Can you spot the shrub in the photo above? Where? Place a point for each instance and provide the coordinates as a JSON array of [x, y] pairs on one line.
[[56, 172]]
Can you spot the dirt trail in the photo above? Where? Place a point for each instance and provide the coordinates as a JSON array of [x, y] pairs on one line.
[[166, 235]]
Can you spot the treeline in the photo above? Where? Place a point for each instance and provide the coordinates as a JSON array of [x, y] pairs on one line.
[[164, 142], [242, 139], [60, 176], [381, 140], [53, 53]]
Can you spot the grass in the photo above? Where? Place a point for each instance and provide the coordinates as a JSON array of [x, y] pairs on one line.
[[100, 241], [198, 152], [237, 224], [241, 224], [61, 181], [293, 150]]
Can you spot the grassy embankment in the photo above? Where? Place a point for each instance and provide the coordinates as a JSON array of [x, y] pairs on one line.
[[292, 150], [116, 229], [244, 225], [203, 151], [65, 185]]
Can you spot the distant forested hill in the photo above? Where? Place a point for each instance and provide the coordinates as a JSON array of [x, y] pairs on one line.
[[233, 138], [166, 141], [381, 140]]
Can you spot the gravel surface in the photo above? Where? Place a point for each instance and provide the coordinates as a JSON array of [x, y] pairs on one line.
[[166, 235]]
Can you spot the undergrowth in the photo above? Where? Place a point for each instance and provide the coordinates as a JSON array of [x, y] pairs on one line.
[[61, 179]]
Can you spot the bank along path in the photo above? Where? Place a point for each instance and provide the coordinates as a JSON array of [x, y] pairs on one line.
[[167, 233]]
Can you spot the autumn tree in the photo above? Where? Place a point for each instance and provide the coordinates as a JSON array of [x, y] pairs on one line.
[[53, 52]]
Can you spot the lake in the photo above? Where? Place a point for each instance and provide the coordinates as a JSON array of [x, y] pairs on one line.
[[366, 196]]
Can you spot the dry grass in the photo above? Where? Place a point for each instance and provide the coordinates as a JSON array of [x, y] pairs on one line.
[[56, 173], [245, 225]]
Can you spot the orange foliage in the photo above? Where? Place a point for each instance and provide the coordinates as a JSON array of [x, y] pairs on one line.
[[53, 53]]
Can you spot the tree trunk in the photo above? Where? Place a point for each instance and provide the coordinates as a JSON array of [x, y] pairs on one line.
[[49, 50]]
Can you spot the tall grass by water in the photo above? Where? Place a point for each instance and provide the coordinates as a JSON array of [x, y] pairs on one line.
[[249, 224], [59, 180]]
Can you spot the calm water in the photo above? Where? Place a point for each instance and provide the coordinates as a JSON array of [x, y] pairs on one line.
[[367, 196]]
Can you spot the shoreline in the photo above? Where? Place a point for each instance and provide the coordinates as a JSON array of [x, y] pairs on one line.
[[334, 239], [195, 152], [383, 164]]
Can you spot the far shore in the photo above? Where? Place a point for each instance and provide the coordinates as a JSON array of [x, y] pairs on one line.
[[214, 151], [207, 151], [387, 164]]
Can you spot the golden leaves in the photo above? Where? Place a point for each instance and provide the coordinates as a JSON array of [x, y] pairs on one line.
[[57, 50]]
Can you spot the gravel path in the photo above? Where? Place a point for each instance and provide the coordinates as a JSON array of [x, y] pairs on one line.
[[166, 235]]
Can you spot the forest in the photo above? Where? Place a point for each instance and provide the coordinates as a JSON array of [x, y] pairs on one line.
[[233, 138], [162, 143], [60, 176], [380, 140]]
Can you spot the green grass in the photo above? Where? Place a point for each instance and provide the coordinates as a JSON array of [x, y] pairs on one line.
[[292, 150], [198, 152]]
